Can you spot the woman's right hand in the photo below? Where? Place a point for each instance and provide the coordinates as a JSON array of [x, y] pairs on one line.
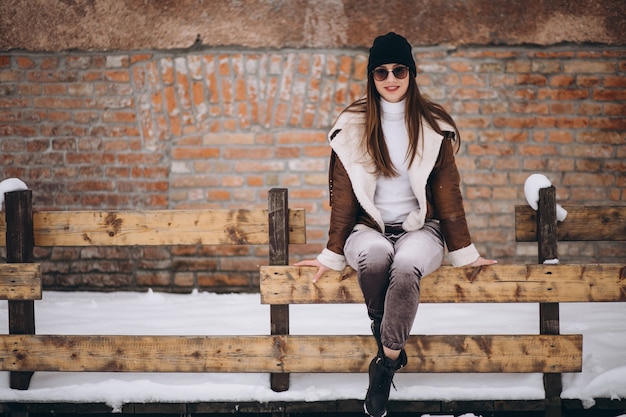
[[321, 269]]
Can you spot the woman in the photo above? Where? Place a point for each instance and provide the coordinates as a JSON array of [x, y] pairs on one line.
[[395, 203]]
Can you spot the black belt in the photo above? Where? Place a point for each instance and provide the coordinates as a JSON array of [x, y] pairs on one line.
[[394, 229]]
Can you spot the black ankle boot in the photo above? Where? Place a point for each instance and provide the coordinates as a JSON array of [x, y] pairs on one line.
[[381, 372]]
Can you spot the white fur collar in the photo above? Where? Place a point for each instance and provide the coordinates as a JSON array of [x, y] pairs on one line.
[[346, 140]]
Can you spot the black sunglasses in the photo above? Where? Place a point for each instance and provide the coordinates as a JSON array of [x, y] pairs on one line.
[[381, 74]]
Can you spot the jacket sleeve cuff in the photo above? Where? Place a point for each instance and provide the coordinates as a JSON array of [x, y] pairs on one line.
[[463, 256], [332, 260]]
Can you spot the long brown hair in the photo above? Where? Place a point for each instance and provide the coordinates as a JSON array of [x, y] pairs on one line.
[[417, 109]]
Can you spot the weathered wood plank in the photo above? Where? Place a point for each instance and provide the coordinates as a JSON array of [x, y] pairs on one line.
[[20, 281], [439, 353], [583, 223], [549, 323], [278, 207], [159, 227], [496, 283], [291, 354], [138, 353], [331, 408], [19, 246]]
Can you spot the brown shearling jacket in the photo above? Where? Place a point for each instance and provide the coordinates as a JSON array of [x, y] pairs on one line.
[[434, 177]]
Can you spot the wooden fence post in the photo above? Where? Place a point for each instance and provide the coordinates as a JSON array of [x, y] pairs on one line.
[[549, 312], [278, 212], [19, 244]]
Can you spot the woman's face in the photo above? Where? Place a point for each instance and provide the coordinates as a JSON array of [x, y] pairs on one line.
[[392, 89]]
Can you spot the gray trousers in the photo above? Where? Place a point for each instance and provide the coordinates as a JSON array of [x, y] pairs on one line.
[[389, 268]]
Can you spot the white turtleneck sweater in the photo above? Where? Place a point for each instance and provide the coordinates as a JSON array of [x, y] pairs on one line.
[[394, 197]]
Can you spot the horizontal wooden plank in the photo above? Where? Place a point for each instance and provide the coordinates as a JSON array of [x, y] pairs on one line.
[[137, 353], [439, 353], [158, 227], [20, 281], [491, 284], [292, 354], [583, 223], [330, 408], [334, 408]]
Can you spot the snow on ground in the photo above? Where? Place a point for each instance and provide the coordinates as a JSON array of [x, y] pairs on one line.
[[603, 326]]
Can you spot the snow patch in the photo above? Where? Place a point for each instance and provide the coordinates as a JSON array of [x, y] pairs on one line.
[[11, 184], [533, 184]]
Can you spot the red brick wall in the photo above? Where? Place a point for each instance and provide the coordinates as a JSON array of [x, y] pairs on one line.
[[218, 128]]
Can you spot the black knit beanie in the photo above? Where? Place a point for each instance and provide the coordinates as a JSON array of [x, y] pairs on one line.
[[391, 49]]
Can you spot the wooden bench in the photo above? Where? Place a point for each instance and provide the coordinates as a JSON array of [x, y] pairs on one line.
[[23, 352], [547, 352]]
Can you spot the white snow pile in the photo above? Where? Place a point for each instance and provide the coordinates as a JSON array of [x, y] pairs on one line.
[[11, 184], [533, 184]]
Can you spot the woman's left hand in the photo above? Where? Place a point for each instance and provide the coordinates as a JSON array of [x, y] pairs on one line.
[[321, 268], [482, 261]]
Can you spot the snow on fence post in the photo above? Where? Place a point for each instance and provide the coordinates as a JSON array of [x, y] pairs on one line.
[[278, 216], [549, 312], [19, 246]]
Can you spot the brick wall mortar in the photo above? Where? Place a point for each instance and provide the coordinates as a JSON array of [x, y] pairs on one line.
[[219, 127]]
